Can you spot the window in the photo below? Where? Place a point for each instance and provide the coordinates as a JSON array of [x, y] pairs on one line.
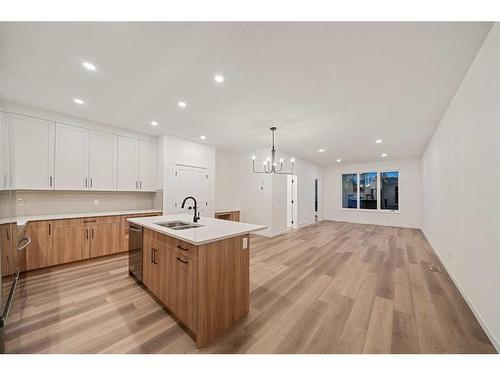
[[350, 190], [368, 190], [375, 191], [389, 190]]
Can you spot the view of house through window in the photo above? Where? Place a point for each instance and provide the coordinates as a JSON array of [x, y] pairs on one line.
[[389, 190], [369, 188], [350, 190]]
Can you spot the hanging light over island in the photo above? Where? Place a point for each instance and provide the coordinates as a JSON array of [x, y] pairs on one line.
[[270, 165]]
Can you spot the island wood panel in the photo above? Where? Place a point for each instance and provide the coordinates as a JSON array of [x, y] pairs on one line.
[[150, 271], [185, 287], [223, 287], [39, 253]]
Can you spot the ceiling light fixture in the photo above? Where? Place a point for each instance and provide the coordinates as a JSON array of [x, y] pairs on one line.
[[384, 155], [203, 137], [182, 104], [89, 66], [218, 78], [78, 101], [378, 141], [154, 123], [270, 165], [321, 150], [339, 160]]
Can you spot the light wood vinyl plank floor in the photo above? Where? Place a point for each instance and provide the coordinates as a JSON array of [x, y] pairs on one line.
[[329, 288]]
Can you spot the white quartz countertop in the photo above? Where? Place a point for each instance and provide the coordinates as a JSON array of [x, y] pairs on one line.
[[210, 231], [22, 220]]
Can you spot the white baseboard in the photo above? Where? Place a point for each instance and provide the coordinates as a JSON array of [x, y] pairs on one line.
[[489, 333]]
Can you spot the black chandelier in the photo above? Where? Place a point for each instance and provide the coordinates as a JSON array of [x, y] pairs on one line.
[[270, 164]]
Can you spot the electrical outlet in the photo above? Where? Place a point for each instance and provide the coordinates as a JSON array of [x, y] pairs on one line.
[[96, 202]]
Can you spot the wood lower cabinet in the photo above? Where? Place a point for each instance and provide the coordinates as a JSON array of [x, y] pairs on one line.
[[10, 256], [70, 241], [206, 287], [105, 237], [228, 215], [61, 241], [39, 252]]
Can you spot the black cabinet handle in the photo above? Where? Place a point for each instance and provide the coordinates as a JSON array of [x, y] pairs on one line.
[[92, 232], [183, 261], [49, 230], [152, 255], [182, 248]]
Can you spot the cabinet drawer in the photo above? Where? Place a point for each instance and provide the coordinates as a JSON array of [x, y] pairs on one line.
[[104, 219], [67, 222], [186, 249]]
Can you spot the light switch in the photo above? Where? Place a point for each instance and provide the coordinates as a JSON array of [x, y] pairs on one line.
[[245, 243]]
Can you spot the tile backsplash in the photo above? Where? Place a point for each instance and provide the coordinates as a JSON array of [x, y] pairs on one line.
[[30, 202]]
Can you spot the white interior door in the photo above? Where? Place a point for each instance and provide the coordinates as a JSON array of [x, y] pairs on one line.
[[200, 188], [71, 158], [183, 186], [128, 164], [103, 161], [34, 152], [147, 166]]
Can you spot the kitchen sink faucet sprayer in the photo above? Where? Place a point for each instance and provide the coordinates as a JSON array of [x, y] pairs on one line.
[[196, 214]]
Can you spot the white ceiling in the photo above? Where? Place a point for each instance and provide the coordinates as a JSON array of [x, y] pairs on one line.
[[337, 86]]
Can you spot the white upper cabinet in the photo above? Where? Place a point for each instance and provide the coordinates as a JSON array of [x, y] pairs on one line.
[[3, 152], [103, 161], [128, 164], [147, 166], [71, 158], [55, 156], [33, 162]]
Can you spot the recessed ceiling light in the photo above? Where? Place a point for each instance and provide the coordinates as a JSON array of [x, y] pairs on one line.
[[182, 104], [203, 137], [218, 78], [384, 155], [378, 141], [339, 160], [321, 150], [154, 123], [78, 101], [89, 66]]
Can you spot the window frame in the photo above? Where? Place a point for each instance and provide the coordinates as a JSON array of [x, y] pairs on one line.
[[379, 184]]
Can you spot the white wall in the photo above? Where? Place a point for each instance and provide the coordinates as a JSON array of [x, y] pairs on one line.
[[261, 198], [409, 215], [176, 150], [461, 187]]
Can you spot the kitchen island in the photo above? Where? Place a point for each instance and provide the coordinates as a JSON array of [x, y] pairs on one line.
[[199, 271]]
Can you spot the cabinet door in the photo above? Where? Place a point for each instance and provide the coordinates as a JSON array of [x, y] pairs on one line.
[[149, 270], [10, 257], [33, 152], [185, 290], [183, 185], [147, 166], [39, 252], [105, 238], [128, 164], [72, 158], [70, 242], [103, 161], [200, 189], [167, 272]]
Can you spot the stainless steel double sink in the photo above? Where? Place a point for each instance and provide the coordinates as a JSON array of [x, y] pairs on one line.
[[178, 225]]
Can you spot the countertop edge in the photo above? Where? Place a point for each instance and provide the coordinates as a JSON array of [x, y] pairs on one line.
[[196, 243], [23, 220]]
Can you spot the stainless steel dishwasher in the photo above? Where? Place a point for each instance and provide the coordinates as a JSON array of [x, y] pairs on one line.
[[135, 251]]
